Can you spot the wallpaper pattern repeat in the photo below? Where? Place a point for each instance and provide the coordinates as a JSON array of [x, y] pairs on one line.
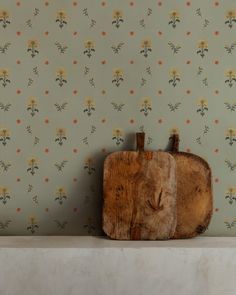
[[79, 78]]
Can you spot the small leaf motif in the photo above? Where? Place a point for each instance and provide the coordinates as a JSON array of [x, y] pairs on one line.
[[4, 166], [229, 48], [92, 23], [200, 70], [116, 48], [5, 47], [206, 23], [61, 224], [29, 23], [118, 107], [230, 224], [91, 82], [30, 188], [61, 165], [5, 224], [86, 70], [205, 82], [61, 107], [93, 129], [36, 11], [230, 107], [174, 107], [85, 140], [149, 71], [5, 107], [35, 200], [198, 140], [85, 12], [35, 71], [61, 48], [206, 129], [29, 129], [149, 11], [36, 140], [230, 165], [174, 48], [143, 82], [30, 82], [198, 12], [142, 23]]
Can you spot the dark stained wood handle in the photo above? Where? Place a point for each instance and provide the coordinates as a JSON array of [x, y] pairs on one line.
[[175, 143], [140, 140]]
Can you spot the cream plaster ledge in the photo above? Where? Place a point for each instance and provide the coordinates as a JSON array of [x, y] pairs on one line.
[[43, 265]]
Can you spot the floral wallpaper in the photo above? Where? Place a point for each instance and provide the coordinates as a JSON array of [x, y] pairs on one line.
[[79, 78]]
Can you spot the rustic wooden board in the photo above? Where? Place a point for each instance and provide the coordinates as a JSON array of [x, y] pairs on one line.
[[139, 195], [194, 194]]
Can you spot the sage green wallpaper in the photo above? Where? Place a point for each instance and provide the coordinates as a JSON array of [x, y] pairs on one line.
[[79, 78]]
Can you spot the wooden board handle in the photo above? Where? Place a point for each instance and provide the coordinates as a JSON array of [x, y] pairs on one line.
[[140, 139], [175, 143]]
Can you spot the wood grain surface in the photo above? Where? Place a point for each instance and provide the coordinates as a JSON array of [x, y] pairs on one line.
[[194, 193], [139, 195]]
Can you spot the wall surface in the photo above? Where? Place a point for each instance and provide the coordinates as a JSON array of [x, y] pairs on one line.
[[79, 78]]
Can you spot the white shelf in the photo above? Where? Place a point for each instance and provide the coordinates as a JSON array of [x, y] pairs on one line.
[[103, 242], [99, 266]]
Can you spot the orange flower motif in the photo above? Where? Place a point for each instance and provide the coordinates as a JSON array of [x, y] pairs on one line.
[[4, 194], [61, 195], [4, 135], [32, 106], [230, 194], [4, 18], [89, 44], [202, 48], [118, 132], [202, 44], [174, 18], [90, 105], [146, 106], [146, 43], [33, 44], [61, 132], [174, 77], [231, 135], [118, 76], [117, 14], [231, 18], [4, 77], [61, 18], [202, 103], [61, 76], [231, 77], [118, 136], [89, 48], [118, 18], [33, 165], [61, 136]]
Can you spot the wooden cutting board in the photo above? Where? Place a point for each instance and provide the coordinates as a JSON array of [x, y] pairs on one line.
[[194, 193], [139, 191]]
